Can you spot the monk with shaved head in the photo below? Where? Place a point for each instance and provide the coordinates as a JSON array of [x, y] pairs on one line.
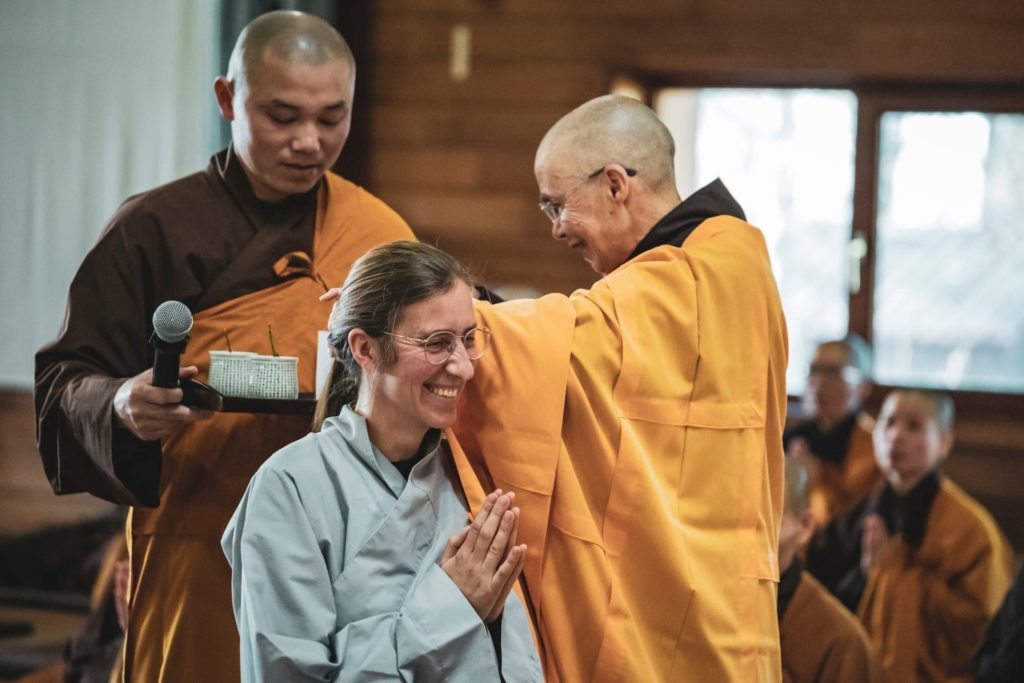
[[246, 244], [640, 421], [607, 140]]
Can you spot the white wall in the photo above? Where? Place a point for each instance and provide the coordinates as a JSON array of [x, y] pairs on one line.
[[100, 100]]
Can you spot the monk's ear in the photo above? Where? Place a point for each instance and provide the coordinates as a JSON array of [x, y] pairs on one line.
[[365, 349], [618, 180], [224, 90]]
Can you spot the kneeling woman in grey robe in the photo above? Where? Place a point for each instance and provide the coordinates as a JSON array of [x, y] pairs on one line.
[[350, 552]]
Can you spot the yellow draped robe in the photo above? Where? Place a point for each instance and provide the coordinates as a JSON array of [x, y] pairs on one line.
[[925, 608], [845, 484], [822, 641], [640, 424]]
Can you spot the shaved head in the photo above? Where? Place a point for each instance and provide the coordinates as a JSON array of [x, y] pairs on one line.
[[605, 176], [611, 129], [288, 95], [292, 37]]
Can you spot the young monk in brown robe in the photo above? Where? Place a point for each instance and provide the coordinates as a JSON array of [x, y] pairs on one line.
[[247, 243], [822, 641], [932, 565]]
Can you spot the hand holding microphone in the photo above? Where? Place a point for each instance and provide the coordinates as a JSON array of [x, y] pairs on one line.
[[149, 404], [172, 321]]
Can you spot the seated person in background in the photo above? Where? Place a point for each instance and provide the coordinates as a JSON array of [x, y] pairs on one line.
[[350, 554], [1000, 658], [835, 444], [821, 640], [927, 564]]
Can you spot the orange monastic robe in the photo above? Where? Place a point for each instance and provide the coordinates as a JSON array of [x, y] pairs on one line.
[[822, 642], [845, 484], [925, 609], [182, 627], [640, 423]]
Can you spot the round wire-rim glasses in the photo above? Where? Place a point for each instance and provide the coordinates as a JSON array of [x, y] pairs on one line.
[[440, 346], [553, 210]]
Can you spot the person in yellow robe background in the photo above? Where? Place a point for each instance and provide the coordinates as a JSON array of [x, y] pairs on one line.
[[640, 422], [821, 640], [835, 443], [936, 564]]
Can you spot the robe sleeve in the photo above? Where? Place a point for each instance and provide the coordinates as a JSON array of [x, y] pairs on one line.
[[851, 660], [102, 342], [959, 607], [284, 605], [1001, 653], [952, 611]]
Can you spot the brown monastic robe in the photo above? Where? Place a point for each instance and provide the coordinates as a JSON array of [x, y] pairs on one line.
[[239, 264]]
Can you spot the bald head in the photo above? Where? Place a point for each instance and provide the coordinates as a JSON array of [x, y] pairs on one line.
[[611, 129], [292, 37]]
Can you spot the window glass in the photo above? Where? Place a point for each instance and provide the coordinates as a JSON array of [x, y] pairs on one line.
[[949, 289], [788, 158]]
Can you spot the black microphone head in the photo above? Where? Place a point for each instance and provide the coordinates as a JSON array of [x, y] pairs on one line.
[[172, 321]]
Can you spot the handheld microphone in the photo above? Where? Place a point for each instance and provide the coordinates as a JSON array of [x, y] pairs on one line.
[[172, 321]]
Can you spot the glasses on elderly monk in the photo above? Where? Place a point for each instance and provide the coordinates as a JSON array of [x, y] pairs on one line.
[[439, 347], [553, 210], [834, 373]]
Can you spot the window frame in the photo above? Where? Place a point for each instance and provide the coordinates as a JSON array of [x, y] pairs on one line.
[[874, 100], [872, 103]]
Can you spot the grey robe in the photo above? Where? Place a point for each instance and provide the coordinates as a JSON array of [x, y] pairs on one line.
[[335, 572]]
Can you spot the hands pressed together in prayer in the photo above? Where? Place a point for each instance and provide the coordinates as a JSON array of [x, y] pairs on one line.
[[483, 559], [874, 542], [801, 451], [150, 412]]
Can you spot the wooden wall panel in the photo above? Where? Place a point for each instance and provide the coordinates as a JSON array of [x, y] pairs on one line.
[[457, 168], [406, 126], [533, 60], [428, 82], [801, 11]]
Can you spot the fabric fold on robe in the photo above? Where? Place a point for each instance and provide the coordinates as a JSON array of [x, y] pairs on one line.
[[645, 449], [822, 641]]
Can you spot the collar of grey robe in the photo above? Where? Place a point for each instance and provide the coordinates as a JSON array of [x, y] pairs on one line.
[[353, 432]]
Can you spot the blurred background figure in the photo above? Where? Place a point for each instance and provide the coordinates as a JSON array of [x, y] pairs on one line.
[[834, 445], [1000, 657], [923, 563], [821, 640]]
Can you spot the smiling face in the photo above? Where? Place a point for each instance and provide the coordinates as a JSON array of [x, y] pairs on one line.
[[908, 441], [588, 220], [411, 395], [289, 122]]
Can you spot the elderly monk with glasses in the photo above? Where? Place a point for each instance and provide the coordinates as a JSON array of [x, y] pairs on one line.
[[640, 422]]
